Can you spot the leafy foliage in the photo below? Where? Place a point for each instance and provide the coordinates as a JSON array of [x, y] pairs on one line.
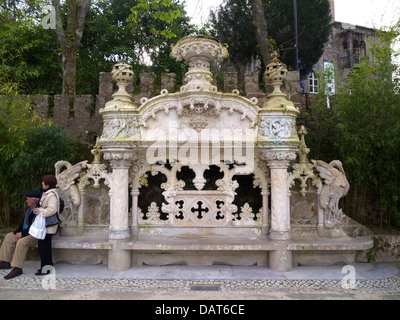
[[132, 30], [232, 23], [29, 56], [365, 130], [117, 29], [29, 149]]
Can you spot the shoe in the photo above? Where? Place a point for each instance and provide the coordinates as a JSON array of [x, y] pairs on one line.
[[5, 265], [15, 272], [40, 273]]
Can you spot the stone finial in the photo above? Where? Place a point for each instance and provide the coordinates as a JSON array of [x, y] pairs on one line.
[[276, 73], [122, 74], [96, 152], [303, 149]]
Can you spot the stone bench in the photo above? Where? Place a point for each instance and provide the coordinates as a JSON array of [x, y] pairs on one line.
[[80, 250], [321, 251], [210, 251]]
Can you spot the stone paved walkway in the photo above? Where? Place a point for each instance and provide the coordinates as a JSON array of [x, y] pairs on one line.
[[228, 282]]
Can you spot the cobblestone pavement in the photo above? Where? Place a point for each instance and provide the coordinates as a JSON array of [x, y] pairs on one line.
[[386, 287]]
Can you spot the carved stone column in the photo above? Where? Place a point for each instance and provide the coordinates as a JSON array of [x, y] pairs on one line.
[[278, 140], [119, 130], [278, 162], [120, 160], [280, 206], [134, 226], [119, 200], [265, 223]]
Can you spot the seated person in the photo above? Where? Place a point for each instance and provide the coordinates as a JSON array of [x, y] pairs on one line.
[[16, 244]]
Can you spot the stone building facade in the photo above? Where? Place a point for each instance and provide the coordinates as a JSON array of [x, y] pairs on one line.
[[346, 46]]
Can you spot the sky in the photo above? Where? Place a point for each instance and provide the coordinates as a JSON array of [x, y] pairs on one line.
[[367, 13]]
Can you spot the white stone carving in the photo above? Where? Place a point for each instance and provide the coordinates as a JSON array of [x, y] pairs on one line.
[[122, 74], [334, 188], [138, 172], [152, 217], [200, 208], [279, 155], [198, 52], [247, 216], [161, 125], [153, 213], [276, 128], [304, 170], [119, 155], [97, 171], [68, 190], [205, 208], [120, 128]]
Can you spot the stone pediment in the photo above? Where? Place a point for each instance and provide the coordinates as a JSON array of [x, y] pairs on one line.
[[195, 113]]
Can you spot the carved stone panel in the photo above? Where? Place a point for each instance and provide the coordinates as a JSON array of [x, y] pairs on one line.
[[200, 208]]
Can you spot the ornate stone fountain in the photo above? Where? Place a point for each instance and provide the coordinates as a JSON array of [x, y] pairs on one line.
[[225, 143]]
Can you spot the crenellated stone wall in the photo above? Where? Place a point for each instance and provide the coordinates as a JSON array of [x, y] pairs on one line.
[[81, 120]]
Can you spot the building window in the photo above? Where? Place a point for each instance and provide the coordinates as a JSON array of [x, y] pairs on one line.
[[356, 51], [329, 72], [363, 49], [345, 49], [314, 85]]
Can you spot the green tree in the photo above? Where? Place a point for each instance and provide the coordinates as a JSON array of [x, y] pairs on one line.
[[368, 117], [28, 53], [261, 30], [30, 147], [232, 23], [113, 32], [69, 25], [38, 59], [159, 24], [365, 131]]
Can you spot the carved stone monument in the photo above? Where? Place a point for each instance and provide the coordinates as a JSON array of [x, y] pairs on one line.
[[201, 177]]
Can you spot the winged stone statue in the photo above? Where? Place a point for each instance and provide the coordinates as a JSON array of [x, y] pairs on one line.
[[68, 190], [334, 188]]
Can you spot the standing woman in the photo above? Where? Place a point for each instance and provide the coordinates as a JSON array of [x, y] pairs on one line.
[[49, 206]]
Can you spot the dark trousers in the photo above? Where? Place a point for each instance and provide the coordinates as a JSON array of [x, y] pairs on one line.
[[45, 253]]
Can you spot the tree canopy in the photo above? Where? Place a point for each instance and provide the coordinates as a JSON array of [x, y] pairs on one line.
[[129, 29], [232, 23], [133, 31], [362, 129]]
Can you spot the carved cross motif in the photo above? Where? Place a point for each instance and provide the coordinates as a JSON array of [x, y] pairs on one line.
[[180, 206], [219, 206], [199, 209]]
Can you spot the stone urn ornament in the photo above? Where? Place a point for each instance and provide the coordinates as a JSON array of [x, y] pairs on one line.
[[275, 73], [122, 74], [199, 52]]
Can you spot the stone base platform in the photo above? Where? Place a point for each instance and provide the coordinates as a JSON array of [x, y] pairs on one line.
[[209, 251], [324, 251], [200, 252]]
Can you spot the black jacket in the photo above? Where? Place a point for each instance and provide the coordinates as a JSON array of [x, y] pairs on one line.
[[21, 229]]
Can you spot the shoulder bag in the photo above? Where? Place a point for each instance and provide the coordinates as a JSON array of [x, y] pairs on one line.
[[54, 219]]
